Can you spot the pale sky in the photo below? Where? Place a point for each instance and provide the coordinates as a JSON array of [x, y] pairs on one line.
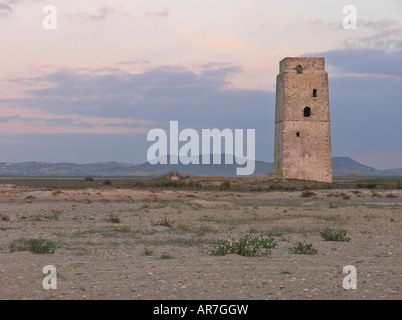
[[90, 90]]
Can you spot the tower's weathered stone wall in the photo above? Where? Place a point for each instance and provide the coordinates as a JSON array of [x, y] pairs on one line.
[[302, 120]]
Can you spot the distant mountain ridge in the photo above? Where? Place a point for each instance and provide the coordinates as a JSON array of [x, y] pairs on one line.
[[342, 166]]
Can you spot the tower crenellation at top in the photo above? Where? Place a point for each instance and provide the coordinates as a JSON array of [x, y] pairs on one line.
[[290, 64]]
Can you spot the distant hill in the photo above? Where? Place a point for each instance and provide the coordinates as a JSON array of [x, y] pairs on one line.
[[342, 166], [67, 169], [228, 170], [394, 171]]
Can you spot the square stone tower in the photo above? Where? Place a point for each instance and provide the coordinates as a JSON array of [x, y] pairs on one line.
[[302, 125]]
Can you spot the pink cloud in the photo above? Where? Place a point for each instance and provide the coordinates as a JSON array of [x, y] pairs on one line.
[[386, 39], [378, 24], [103, 13], [161, 14], [25, 120], [390, 32], [366, 23], [321, 24], [5, 7], [38, 127]]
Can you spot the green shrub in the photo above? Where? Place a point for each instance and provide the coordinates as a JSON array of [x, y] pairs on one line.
[[5, 217], [148, 252], [41, 246], [303, 248], [248, 245], [165, 256], [334, 235]]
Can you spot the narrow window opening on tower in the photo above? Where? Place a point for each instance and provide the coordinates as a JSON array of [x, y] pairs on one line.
[[299, 69], [314, 92], [307, 111], [297, 134]]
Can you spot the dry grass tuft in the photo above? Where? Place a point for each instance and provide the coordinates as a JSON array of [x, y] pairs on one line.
[[226, 185], [114, 218], [308, 193], [164, 222], [391, 195], [107, 182], [345, 196]]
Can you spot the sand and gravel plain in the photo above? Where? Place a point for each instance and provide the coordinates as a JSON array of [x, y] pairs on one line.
[[111, 244]]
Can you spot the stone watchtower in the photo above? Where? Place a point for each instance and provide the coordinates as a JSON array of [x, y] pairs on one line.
[[302, 126]]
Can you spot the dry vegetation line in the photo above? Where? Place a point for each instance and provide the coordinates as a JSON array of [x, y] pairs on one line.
[[162, 243]]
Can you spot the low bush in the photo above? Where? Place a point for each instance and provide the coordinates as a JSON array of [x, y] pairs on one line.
[[226, 185], [113, 218], [40, 246], [248, 245], [391, 195], [334, 235], [345, 196], [303, 248], [308, 193], [164, 222], [107, 182]]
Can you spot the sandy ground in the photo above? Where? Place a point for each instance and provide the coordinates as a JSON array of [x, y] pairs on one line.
[[139, 259]]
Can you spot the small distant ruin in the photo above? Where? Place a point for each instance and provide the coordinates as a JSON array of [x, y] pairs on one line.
[[174, 176], [302, 121]]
